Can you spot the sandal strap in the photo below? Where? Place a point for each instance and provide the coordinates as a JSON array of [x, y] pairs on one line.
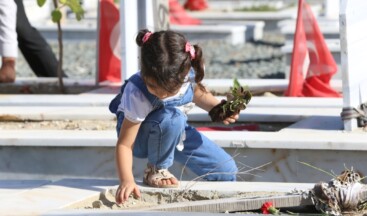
[[153, 175]]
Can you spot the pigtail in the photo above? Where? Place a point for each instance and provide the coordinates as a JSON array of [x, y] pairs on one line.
[[198, 64], [140, 37]]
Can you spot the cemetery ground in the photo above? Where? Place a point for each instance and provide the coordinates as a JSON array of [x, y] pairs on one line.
[[46, 137]]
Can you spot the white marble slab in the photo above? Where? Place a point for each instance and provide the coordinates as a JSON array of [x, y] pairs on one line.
[[314, 123], [254, 29], [53, 196], [353, 40], [129, 213], [103, 100], [252, 113], [51, 199], [334, 47], [44, 85], [55, 113], [271, 18], [329, 27], [90, 100], [288, 139], [234, 35], [13, 187]]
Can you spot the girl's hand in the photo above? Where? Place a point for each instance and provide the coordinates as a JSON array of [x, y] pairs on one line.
[[125, 189], [231, 119]]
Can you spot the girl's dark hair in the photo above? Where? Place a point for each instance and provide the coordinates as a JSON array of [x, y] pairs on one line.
[[164, 59]]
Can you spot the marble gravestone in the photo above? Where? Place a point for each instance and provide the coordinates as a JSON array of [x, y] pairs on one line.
[[353, 43]]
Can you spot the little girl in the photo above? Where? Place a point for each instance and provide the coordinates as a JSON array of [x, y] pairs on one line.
[[151, 118]]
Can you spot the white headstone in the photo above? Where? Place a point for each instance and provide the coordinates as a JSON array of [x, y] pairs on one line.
[[353, 43], [161, 15], [331, 9], [136, 15]]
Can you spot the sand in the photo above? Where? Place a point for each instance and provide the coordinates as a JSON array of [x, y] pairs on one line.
[[156, 197]]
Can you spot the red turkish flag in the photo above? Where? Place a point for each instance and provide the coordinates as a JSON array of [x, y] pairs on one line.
[[179, 16], [109, 61], [310, 51]]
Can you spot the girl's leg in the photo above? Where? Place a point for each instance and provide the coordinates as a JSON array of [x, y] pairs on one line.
[[203, 157], [140, 150], [159, 135], [157, 139]]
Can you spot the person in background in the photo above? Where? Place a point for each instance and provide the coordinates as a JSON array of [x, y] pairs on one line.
[[151, 116], [16, 31], [34, 47], [8, 41]]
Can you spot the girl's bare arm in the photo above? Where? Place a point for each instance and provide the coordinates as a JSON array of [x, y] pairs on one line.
[[124, 160], [206, 101]]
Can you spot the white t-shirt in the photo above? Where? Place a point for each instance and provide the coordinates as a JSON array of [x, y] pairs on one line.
[[136, 106]]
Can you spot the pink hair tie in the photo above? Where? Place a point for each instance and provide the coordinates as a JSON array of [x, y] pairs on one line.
[[190, 49], [147, 36]]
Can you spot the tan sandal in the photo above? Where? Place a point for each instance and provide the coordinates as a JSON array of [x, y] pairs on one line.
[[153, 176]]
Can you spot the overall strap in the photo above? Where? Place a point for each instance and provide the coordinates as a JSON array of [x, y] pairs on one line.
[[156, 102], [139, 83]]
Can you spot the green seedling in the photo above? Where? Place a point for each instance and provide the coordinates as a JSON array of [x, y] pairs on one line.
[[56, 17], [237, 100]]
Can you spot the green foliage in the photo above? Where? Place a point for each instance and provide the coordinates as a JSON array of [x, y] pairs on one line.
[[238, 98], [56, 15], [75, 6], [260, 8], [40, 3]]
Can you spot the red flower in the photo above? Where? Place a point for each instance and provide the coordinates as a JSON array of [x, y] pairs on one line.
[[268, 208]]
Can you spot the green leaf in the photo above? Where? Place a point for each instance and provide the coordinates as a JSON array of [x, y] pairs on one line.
[[75, 6], [236, 84], [56, 15], [40, 3]]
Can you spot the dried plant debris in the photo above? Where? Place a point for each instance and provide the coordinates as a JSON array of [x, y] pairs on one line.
[[237, 100], [341, 195]]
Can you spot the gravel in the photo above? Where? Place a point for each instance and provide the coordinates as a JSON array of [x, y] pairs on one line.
[[253, 60]]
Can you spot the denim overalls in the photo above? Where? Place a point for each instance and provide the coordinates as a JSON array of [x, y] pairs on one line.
[[165, 127]]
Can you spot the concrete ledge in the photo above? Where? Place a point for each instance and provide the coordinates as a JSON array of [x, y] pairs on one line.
[[35, 85], [53, 198], [271, 19], [95, 107], [329, 28], [103, 99], [254, 29], [232, 34], [71, 32], [300, 139], [260, 156], [333, 45], [16, 187], [256, 114]]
